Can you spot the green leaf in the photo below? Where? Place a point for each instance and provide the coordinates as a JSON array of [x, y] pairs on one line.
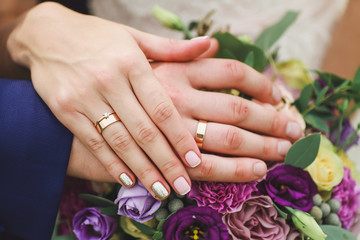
[[69, 236], [249, 60], [143, 228], [229, 45], [96, 200], [111, 211], [303, 152], [337, 233], [281, 212], [356, 82], [158, 236], [316, 121], [317, 87], [302, 102], [271, 34], [321, 95]]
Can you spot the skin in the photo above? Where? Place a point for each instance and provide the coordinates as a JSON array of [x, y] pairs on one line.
[[104, 67]]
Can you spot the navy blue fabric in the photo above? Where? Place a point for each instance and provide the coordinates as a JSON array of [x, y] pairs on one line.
[[34, 153]]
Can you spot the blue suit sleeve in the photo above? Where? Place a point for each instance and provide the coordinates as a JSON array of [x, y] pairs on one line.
[[34, 153]]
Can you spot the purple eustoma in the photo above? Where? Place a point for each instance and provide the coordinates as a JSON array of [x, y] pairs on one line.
[[289, 186], [346, 132], [192, 222], [348, 193], [222, 197], [137, 203], [90, 224]]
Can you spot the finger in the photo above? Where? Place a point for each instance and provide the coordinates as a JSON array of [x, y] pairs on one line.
[[230, 140], [163, 113], [212, 50], [223, 169], [151, 140], [166, 49], [97, 145], [226, 73], [229, 109]]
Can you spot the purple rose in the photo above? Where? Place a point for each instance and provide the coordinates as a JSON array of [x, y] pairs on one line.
[[195, 223], [137, 203], [256, 218], [346, 132], [348, 193], [222, 197], [289, 186], [90, 224]]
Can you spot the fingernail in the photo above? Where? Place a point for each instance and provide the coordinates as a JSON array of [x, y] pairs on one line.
[[283, 147], [198, 38], [126, 180], [182, 186], [160, 190], [276, 94], [192, 159], [259, 169], [293, 130]]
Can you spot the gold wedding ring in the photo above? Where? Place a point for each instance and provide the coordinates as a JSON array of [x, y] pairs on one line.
[[200, 133], [106, 120]]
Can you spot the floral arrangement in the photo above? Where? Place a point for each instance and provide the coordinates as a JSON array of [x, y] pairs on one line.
[[313, 194]]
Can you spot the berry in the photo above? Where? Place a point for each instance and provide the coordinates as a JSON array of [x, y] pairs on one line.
[[317, 200], [333, 219], [316, 213], [161, 214], [175, 205], [334, 205], [325, 208]]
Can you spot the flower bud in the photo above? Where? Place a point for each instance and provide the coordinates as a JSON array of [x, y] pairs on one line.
[[307, 225], [167, 18]]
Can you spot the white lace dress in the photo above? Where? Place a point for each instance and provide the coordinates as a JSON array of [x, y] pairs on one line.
[[307, 39]]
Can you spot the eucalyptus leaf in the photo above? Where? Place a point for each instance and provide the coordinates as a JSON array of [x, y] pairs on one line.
[[302, 102], [143, 228], [356, 82], [303, 152], [271, 34], [96, 200], [316, 121], [228, 43], [111, 211], [337, 233]]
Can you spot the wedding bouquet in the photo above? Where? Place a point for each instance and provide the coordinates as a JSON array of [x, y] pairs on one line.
[[314, 193]]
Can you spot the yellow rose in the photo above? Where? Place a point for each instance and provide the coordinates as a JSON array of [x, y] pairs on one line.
[[130, 229], [327, 170], [295, 73]]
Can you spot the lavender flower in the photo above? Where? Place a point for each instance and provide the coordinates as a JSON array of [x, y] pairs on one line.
[[90, 224], [347, 131]]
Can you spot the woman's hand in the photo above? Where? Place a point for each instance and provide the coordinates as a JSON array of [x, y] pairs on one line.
[[83, 67], [246, 131]]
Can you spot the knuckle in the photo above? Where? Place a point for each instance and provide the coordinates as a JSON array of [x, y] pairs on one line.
[[169, 167], [239, 109], [233, 138], [239, 172], [103, 78], [267, 148], [145, 173], [182, 140], [111, 166], [275, 122], [236, 70], [64, 102], [206, 169], [146, 134], [121, 141], [162, 112], [96, 143]]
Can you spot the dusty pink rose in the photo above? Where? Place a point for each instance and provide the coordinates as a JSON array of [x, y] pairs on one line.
[[256, 218], [222, 197]]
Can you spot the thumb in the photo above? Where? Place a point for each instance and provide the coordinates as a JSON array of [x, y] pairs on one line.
[[166, 49]]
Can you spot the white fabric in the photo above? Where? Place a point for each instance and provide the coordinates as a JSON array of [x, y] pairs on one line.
[[306, 39]]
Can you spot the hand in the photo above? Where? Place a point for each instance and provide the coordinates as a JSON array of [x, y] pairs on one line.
[[234, 120], [84, 66]]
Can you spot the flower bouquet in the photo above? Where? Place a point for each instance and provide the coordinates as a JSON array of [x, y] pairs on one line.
[[313, 194]]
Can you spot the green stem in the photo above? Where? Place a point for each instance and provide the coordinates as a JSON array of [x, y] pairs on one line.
[[187, 33], [350, 139]]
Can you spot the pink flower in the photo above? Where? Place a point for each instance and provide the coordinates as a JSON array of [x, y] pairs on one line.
[[222, 197], [256, 218], [348, 193]]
